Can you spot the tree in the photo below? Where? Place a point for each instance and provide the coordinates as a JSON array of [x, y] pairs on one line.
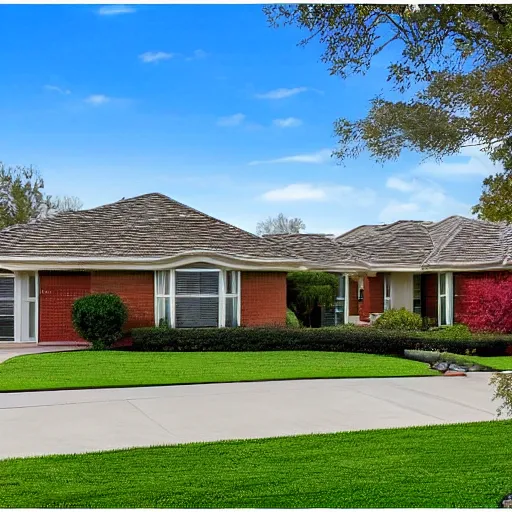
[[308, 290], [21, 195], [66, 204], [280, 225], [452, 68], [496, 199]]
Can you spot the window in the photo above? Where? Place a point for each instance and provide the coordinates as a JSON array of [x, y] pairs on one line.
[[6, 308], [340, 305], [31, 300], [387, 292], [416, 299], [231, 291], [445, 299], [163, 299], [197, 298]]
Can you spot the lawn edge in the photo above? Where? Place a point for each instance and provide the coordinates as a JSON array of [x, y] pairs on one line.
[[129, 386]]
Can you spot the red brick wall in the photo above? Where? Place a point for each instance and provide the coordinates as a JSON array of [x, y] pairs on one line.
[[263, 298], [58, 291], [136, 289], [353, 305], [373, 298], [429, 295]]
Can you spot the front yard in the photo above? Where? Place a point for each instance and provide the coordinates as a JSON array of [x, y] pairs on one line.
[[89, 369], [463, 466]]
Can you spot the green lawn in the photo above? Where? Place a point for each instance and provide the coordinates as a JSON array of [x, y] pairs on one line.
[[466, 465], [498, 363], [103, 369]]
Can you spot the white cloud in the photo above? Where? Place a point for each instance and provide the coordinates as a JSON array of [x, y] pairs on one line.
[[114, 10], [344, 194], [396, 210], [97, 99], [278, 94], [155, 56], [425, 200], [296, 192], [287, 122], [198, 54], [319, 157], [234, 120], [476, 164], [55, 88]]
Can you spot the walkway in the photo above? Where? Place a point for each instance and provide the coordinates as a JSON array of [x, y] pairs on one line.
[[13, 351], [87, 420]]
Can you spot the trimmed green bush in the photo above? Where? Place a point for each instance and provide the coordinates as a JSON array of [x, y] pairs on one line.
[[399, 320], [291, 319], [99, 318], [457, 332], [360, 339]]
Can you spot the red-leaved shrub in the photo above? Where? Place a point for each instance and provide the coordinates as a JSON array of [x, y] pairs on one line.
[[489, 308]]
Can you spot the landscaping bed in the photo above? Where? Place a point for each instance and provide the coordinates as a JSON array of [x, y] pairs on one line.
[[89, 368], [451, 466]]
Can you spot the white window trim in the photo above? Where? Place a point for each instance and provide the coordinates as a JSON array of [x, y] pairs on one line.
[[16, 313], [387, 298], [222, 295], [448, 295]]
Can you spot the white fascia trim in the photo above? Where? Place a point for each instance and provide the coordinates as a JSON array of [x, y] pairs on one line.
[[232, 263]]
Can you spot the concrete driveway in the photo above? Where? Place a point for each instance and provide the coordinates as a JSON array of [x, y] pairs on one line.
[[77, 421]]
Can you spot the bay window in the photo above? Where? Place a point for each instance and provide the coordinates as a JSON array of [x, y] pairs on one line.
[[192, 297]]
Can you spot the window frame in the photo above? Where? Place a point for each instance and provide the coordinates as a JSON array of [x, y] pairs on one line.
[[387, 296], [448, 298], [222, 295], [419, 298]]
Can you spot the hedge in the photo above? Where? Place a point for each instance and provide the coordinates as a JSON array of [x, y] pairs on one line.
[[366, 340]]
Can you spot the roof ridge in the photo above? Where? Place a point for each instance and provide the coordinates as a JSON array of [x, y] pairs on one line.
[[451, 235]]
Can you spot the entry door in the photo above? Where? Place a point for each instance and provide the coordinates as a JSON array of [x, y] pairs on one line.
[[6, 308]]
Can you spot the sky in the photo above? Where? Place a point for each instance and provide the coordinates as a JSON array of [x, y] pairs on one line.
[[210, 106]]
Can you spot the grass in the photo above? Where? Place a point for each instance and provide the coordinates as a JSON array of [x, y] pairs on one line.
[[87, 369], [464, 466], [498, 363]]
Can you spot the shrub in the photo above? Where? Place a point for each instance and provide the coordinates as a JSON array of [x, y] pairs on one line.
[[291, 319], [489, 311], [452, 332], [99, 318], [399, 320], [366, 340]]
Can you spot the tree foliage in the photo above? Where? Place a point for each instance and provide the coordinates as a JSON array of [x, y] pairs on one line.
[[450, 63], [496, 200], [22, 197], [308, 289], [66, 203], [280, 225]]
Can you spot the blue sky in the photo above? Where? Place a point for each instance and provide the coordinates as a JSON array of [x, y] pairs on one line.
[[210, 106]]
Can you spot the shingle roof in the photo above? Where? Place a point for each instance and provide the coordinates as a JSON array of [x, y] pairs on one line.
[[151, 225], [319, 250], [453, 242]]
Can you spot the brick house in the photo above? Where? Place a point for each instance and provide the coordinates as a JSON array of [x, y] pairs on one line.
[[436, 269], [168, 262], [175, 265]]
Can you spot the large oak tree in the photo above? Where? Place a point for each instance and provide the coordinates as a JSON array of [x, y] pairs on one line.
[[451, 65]]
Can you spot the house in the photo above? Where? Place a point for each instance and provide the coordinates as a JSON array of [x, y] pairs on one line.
[[175, 265], [436, 269], [168, 262]]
